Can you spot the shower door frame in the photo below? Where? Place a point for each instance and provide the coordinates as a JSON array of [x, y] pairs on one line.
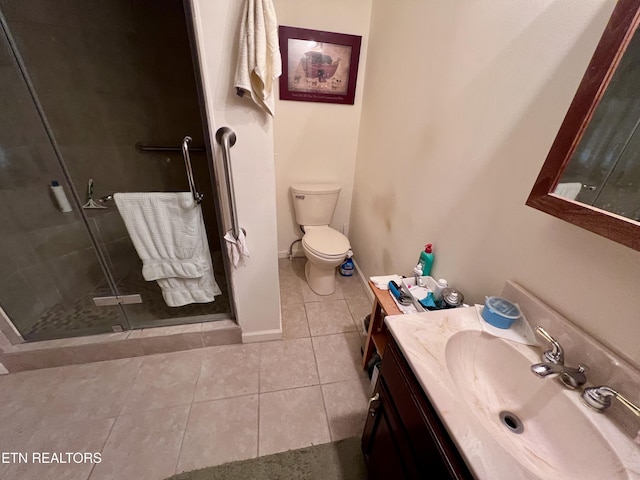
[[7, 326]]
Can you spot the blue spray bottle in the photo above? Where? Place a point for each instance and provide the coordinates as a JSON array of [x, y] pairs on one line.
[[347, 268]]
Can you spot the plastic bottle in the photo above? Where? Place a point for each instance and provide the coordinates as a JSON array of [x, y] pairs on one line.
[[346, 269], [61, 197], [426, 260], [440, 285]]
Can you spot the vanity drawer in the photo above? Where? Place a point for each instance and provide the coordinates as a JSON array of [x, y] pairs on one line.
[[432, 447]]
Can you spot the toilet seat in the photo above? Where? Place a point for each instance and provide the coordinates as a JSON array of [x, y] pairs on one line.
[[325, 242]]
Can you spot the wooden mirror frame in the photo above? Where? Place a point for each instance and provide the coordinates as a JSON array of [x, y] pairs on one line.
[[621, 27]]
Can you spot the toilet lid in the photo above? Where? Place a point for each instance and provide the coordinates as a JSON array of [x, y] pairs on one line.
[[326, 241]]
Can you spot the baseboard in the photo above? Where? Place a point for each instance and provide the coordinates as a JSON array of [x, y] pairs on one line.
[[365, 282], [262, 336]]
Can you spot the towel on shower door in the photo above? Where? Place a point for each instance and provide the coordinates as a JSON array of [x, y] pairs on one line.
[[259, 61], [167, 231]]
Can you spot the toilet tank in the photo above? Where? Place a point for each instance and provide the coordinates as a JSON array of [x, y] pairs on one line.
[[315, 203]]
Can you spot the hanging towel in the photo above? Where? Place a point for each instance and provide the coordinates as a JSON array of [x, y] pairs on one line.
[[168, 233], [236, 249], [259, 62]]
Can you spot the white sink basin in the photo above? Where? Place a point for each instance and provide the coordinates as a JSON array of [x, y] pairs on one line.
[[472, 378], [494, 380]]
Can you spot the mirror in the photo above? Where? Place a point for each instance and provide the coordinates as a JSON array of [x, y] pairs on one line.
[[591, 176]]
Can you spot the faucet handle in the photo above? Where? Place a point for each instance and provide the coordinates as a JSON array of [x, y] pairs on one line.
[[599, 399], [556, 355]]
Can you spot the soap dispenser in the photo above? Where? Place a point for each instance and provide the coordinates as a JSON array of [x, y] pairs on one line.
[[426, 260]]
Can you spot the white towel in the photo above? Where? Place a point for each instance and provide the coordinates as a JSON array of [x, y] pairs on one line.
[[259, 62], [382, 281], [167, 231], [236, 248]]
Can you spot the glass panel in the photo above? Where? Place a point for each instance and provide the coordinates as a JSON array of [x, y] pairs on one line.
[[49, 269], [621, 192], [111, 75], [603, 169]]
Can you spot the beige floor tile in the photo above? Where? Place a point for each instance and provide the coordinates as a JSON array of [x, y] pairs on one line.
[[294, 322], [143, 446], [351, 287], [30, 389], [292, 419], [228, 371], [329, 317], [16, 429], [338, 357], [164, 380], [346, 404], [309, 295], [290, 291], [220, 431], [287, 364], [359, 307], [94, 389], [85, 436]]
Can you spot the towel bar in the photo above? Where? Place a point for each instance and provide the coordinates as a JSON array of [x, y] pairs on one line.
[[150, 148], [197, 197]]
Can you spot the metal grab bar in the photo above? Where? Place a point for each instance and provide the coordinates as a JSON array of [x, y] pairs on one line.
[[197, 197], [149, 148], [227, 139]]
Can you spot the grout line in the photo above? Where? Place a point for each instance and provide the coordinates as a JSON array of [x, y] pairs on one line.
[[130, 388], [104, 444], [115, 419], [184, 433], [186, 425], [324, 404]]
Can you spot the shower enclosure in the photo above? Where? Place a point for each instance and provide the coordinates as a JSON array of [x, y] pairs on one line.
[[88, 90]]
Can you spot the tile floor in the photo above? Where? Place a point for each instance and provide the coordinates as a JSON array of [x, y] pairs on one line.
[[153, 416]]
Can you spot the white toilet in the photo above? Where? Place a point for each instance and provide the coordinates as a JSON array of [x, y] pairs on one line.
[[324, 247]]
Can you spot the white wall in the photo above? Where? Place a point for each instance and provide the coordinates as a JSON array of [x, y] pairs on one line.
[[255, 284], [317, 142], [462, 102]]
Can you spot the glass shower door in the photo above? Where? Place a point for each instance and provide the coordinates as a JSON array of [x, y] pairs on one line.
[[110, 77], [49, 268]]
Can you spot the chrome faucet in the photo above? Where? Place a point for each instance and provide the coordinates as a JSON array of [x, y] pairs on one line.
[[556, 354], [553, 363], [569, 376], [599, 399]]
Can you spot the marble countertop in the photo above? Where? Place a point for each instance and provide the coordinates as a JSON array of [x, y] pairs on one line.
[[485, 445]]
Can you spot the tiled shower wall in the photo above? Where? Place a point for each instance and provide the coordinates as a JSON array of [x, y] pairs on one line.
[[109, 74]]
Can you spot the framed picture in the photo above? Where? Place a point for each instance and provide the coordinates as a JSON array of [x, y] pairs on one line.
[[318, 66]]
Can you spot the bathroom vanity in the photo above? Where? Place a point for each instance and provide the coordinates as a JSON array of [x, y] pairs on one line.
[[403, 435], [453, 401]]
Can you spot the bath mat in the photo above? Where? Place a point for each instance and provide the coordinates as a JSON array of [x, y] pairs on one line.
[[341, 460]]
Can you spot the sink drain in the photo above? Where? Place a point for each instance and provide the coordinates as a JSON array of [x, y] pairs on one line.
[[512, 422]]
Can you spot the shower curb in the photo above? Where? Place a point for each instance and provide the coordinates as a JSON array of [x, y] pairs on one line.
[[112, 346]]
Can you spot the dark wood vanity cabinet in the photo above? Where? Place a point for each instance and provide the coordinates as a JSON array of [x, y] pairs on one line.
[[403, 435]]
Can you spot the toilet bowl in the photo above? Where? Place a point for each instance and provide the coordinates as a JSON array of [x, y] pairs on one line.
[[325, 249]]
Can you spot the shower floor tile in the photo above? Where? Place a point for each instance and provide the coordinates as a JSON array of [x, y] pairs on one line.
[[82, 317]]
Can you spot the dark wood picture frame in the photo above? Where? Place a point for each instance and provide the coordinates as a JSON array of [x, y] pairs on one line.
[[318, 66], [622, 25]]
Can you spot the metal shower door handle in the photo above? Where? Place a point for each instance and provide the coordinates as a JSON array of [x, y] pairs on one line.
[[197, 197]]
